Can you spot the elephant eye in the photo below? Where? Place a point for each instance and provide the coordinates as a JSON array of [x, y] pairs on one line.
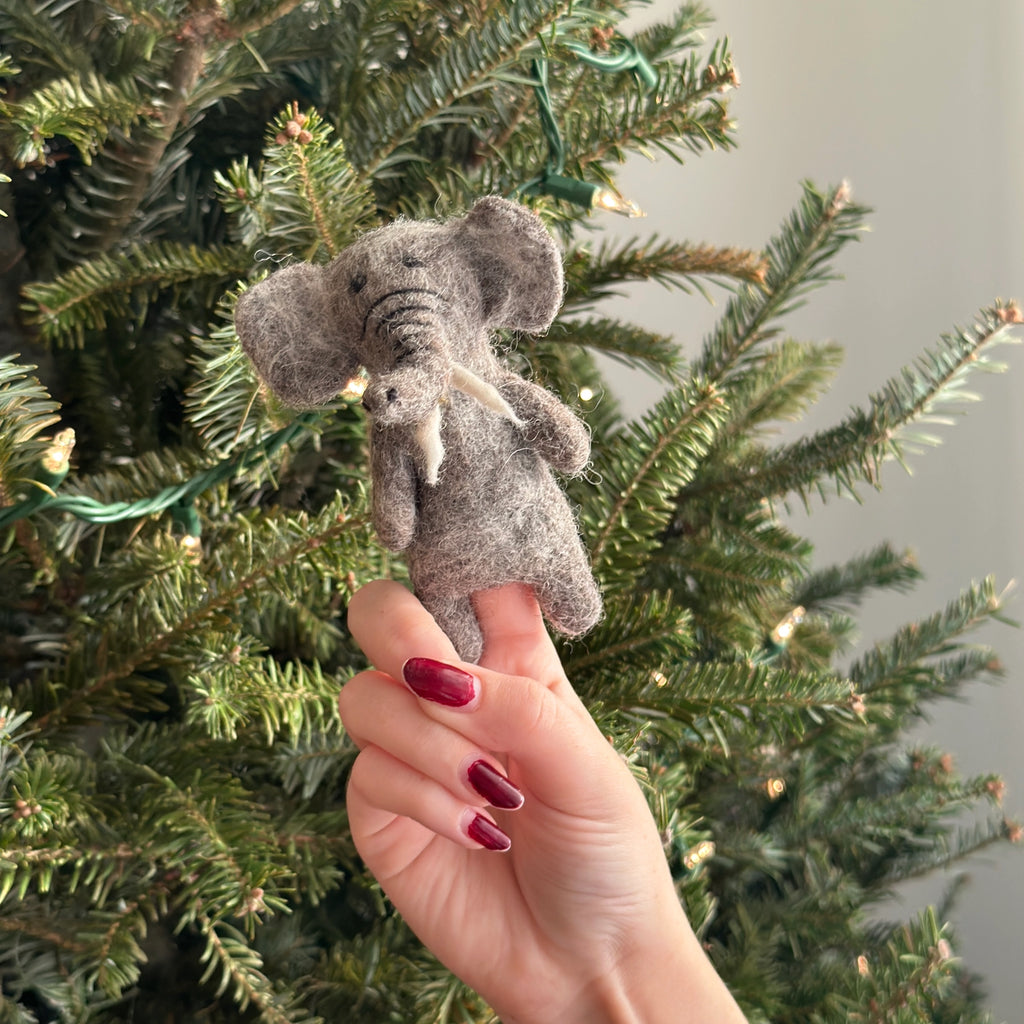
[[408, 260], [357, 283]]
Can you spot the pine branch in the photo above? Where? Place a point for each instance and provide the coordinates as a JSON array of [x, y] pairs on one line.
[[845, 586], [32, 974], [84, 109], [877, 829], [895, 679], [311, 763], [623, 343], [209, 847], [166, 611], [890, 666], [683, 32], [855, 449], [48, 39], [787, 379], [232, 687], [306, 196], [262, 17], [733, 569], [206, 818], [799, 259], [634, 641], [120, 286], [591, 277], [637, 471], [197, 28], [26, 410], [238, 967], [26, 867], [952, 848], [900, 981], [221, 403], [30, 920], [726, 704], [684, 113], [395, 110], [112, 957]]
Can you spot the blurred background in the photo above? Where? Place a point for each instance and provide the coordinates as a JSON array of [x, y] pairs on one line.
[[921, 108]]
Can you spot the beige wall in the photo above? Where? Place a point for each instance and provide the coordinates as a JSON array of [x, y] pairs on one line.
[[923, 111]]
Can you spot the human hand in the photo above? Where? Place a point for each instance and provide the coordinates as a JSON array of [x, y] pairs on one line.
[[577, 918]]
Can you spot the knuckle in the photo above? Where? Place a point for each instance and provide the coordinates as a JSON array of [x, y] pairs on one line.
[[526, 709]]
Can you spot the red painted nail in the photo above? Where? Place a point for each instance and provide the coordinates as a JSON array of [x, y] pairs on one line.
[[494, 787], [483, 831], [441, 683]]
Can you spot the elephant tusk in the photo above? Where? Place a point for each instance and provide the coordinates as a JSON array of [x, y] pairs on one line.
[[486, 394], [428, 431], [428, 437]]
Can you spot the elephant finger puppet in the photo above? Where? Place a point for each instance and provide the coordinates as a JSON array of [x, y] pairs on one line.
[[461, 448]]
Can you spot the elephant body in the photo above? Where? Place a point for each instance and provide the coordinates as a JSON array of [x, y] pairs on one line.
[[462, 449], [496, 514]]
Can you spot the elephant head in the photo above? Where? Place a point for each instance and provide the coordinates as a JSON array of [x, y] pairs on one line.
[[413, 303]]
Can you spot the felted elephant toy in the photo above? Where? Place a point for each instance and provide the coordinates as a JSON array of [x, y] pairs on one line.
[[461, 447]]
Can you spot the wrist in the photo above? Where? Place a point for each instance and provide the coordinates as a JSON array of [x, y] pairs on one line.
[[666, 980], [645, 986]]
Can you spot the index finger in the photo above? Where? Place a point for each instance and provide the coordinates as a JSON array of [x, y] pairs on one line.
[[391, 626]]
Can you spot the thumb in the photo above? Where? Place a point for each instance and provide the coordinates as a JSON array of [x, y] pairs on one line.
[[516, 641]]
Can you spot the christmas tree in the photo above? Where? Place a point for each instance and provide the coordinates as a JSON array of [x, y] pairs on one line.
[[177, 548]]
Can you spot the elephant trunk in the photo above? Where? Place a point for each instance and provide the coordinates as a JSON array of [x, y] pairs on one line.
[[411, 337], [405, 337]]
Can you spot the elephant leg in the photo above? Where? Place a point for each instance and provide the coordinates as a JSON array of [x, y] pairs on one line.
[[456, 617], [570, 599]]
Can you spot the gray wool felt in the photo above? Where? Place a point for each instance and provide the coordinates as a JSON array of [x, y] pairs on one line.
[[461, 448]]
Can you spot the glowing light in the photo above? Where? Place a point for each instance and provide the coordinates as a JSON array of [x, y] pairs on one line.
[[354, 389], [606, 199], [698, 854], [784, 630], [57, 456], [587, 194], [192, 546]]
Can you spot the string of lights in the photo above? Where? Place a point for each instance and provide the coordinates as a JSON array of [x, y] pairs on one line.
[[178, 498], [553, 181]]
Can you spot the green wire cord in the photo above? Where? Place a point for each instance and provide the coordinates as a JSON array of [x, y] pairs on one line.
[[177, 497]]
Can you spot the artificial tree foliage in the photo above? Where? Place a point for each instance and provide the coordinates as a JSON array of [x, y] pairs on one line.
[[173, 841]]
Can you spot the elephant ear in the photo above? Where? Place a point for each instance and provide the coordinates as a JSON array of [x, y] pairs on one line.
[[288, 328], [517, 262]]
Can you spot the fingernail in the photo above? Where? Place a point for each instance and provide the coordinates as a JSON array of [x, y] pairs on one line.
[[441, 683], [497, 790], [483, 831]]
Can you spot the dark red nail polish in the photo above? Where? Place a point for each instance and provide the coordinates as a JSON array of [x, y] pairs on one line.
[[493, 786], [483, 831], [441, 683]]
